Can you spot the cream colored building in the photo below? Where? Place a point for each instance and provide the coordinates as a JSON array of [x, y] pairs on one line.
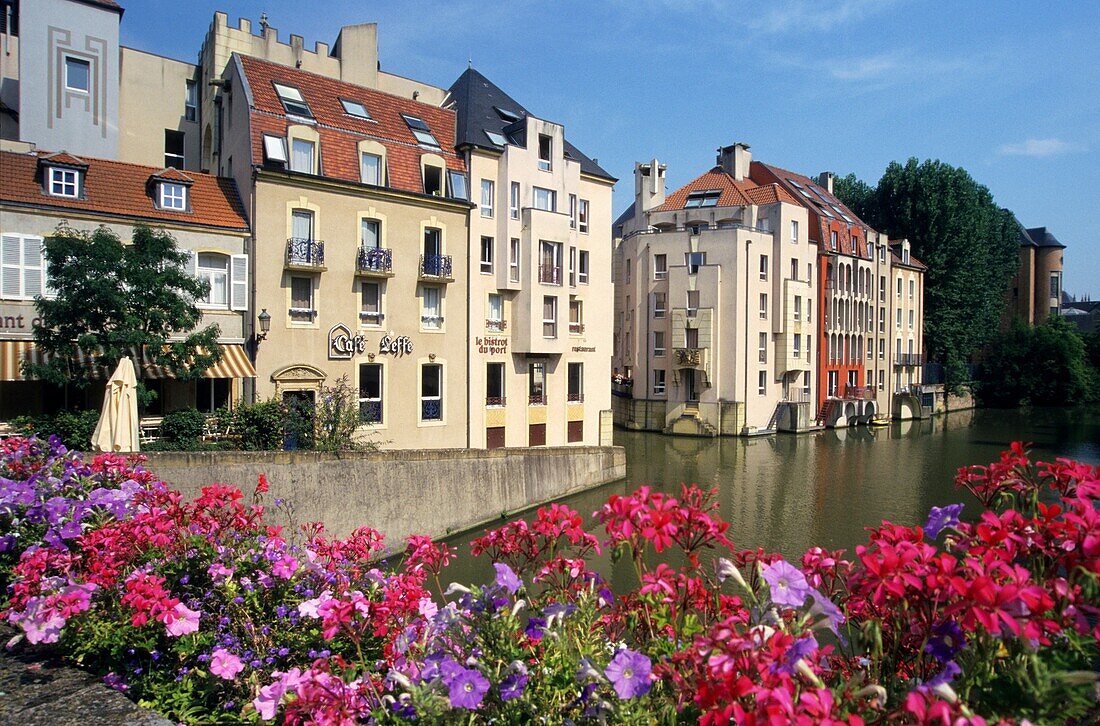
[[714, 310], [906, 318], [539, 278]]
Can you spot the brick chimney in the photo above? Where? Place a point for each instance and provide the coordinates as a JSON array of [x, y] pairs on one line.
[[735, 160]]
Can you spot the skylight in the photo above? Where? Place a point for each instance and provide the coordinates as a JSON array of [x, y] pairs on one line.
[[496, 138], [826, 212], [507, 115], [293, 101], [275, 148], [705, 198], [354, 108], [420, 130]]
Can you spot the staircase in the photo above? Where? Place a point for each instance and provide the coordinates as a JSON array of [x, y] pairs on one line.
[[689, 422], [823, 413], [774, 419]]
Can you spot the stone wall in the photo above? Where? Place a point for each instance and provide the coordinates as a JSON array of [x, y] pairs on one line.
[[433, 492]]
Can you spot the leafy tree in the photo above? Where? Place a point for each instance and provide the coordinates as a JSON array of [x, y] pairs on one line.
[[114, 299], [858, 195], [1045, 366], [970, 245]]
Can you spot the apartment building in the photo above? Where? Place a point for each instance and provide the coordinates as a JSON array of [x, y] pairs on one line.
[[1036, 289], [540, 344], [907, 273], [715, 293]]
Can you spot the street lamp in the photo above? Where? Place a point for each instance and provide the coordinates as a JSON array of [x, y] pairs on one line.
[[265, 324]]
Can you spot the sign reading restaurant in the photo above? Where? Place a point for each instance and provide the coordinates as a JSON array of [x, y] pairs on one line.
[[343, 345]]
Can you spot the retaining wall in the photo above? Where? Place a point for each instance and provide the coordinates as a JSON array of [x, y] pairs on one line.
[[432, 492]]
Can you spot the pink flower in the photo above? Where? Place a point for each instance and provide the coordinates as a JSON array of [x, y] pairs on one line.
[[181, 620], [285, 567], [267, 703], [225, 665]]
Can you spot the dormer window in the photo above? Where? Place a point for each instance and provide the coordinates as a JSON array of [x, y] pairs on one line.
[[496, 138], [458, 186], [509, 116], [64, 182], [356, 109], [421, 131], [275, 148], [173, 195], [302, 156], [706, 198], [293, 101], [546, 151]]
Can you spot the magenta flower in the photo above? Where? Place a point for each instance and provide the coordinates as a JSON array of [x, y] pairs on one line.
[[225, 665], [467, 688], [630, 674], [284, 567], [788, 584], [940, 518], [506, 578], [181, 620]]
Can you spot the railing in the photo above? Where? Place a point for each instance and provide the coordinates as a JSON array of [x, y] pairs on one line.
[[550, 274], [496, 401], [305, 252], [689, 356], [799, 396], [370, 412], [575, 398], [907, 359], [536, 399], [431, 410], [374, 259], [497, 325], [862, 393], [431, 321], [576, 328], [373, 318], [435, 266]]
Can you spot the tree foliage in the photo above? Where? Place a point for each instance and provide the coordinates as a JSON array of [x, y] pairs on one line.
[[1047, 365], [114, 300], [970, 245]]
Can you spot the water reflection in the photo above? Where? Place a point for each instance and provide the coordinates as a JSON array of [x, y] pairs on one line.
[[788, 493]]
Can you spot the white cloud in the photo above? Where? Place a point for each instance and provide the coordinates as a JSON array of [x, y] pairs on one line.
[[1038, 147], [801, 15], [861, 69]]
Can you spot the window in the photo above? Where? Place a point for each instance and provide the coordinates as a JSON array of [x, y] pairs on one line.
[[658, 383], [550, 262], [809, 308], [546, 199], [870, 348], [549, 316], [911, 318], [695, 260], [431, 310], [494, 384], [486, 255], [794, 269], [762, 348], [905, 256], [421, 131], [275, 148], [495, 316], [658, 344], [797, 308], [173, 195], [513, 201], [370, 308], [573, 267], [882, 320], [899, 288], [433, 244], [763, 267], [486, 197], [763, 306], [576, 317], [584, 216], [354, 108], [513, 260], [659, 304], [691, 338], [431, 392], [882, 288], [173, 148], [293, 102], [214, 269], [913, 288], [370, 168], [22, 267], [496, 138], [705, 198], [810, 272], [881, 379], [798, 345], [64, 182], [882, 348], [370, 393], [191, 102], [806, 379], [575, 375], [546, 149], [433, 180], [762, 383], [794, 231], [572, 211], [898, 319], [457, 182], [627, 272], [301, 299], [660, 267], [582, 273], [301, 156], [369, 234], [536, 384], [302, 224], [78, 74], [212, 394], [692, 303], [1055, 286]]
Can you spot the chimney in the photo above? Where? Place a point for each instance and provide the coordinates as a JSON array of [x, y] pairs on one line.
[[735, 160], [649, 185], [825, 179], [357, 48]]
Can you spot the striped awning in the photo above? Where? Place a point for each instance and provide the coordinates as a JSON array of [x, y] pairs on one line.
[[234, 362]]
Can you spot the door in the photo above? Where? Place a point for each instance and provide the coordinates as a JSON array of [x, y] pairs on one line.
[[494, 437], [575, 431], [687, 375], [536, 435], [299, 427]]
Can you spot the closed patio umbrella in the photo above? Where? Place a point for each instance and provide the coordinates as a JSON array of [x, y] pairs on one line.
[[117, 429]]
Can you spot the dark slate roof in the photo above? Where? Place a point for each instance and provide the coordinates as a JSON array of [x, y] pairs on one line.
[[477, 99], [626, 216], [1042, 238], [1085, 306]]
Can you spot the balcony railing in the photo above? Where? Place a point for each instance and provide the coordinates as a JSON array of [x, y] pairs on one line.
[[436, 266], [431, 409], [536, 399], [859, 393], [370, 412], [305, 252], [371, 317], [497, 325], [907, 359], [374, 260], [433, 322], [576, 328], [575, 398], [497, 401], [550, 274]]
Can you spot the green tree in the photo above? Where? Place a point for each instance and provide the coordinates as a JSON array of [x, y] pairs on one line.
[[1046, 365], [857, 195], [114, 299], [969, 244]]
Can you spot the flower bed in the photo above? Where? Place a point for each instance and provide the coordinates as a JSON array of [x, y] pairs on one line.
[[202, 611]]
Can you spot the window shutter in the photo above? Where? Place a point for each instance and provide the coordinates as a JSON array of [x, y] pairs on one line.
[[238, 299], [11, 262], [32, 267]]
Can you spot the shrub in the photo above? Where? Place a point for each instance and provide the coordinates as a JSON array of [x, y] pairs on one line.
[[183, 428], [75, 428], [337, 416], [260, 426]]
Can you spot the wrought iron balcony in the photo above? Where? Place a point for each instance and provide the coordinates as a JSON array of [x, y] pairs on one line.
[[576, 328], [431, 410], [536, 399], [433, 322], [374, 262], [305, 253], [550, 274], [575, 398], [436, 267], [497, 325], [371, 318], [370, 412], [497, 401], [907, 359]]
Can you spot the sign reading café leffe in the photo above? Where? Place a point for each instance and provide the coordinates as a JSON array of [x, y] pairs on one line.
[[345, 345]]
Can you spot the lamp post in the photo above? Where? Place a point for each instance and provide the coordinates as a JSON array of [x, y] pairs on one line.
[[264, 319]]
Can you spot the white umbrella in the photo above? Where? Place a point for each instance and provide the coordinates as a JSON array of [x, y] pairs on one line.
[[117, 429]]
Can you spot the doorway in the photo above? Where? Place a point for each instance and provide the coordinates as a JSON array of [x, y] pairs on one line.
[[301, 405]]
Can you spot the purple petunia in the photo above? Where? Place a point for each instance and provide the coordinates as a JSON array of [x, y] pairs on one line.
[[466, 688], [788, 584], [798, 650], [944, 677], [940, 518], [512, 686], [946, 641], [822, 605], [629, 673], [506, 578]]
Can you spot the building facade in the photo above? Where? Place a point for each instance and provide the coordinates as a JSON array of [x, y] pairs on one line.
[[1036, 289], [540, 357]]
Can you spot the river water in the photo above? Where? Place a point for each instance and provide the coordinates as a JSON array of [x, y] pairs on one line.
[[786, 493]]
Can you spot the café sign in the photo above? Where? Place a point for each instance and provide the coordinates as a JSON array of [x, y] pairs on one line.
[[395, 345], [343, 345]]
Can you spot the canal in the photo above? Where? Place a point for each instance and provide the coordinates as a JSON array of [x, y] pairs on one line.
[[787, 493]]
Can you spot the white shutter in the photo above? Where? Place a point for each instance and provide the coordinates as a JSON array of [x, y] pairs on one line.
[[238, 296], [32, 267], [11, 273]]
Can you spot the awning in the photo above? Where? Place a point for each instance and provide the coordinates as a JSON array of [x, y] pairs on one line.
[[234, 362]]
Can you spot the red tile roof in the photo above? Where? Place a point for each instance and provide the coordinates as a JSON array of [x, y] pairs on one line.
[[340, 132], [733, 193], [64, 157], [174, 174], [119, 189]]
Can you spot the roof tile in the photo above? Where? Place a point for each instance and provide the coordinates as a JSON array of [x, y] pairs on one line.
[[734, 193]]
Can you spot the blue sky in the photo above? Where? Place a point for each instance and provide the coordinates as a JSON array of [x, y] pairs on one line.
[[1009, 90]]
